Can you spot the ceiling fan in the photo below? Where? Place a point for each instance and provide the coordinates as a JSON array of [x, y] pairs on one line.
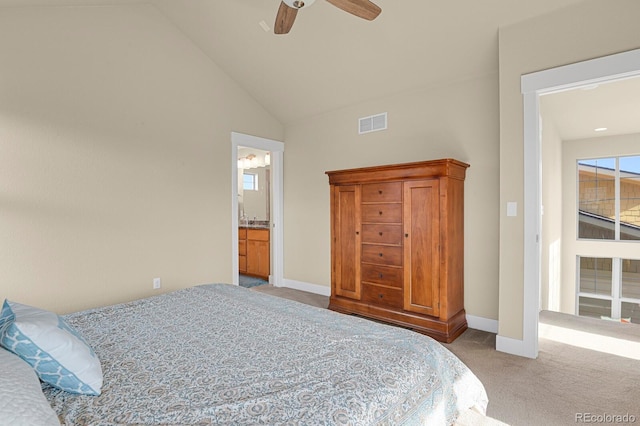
[[288, 10]]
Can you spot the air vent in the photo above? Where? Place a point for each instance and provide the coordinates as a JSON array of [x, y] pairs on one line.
[[372, 123]]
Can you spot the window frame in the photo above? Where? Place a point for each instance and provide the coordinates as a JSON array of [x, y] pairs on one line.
[[617, 200], [615, 296]]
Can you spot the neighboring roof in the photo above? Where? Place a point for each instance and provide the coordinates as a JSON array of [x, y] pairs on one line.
[[606, 171], [608, 223]]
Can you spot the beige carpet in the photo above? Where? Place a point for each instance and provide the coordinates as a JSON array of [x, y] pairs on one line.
[[565, 381], [297, 295]]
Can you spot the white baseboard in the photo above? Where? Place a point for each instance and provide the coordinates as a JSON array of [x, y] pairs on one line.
[[477, 323], [513, 347], [311, 288], [484, 324]]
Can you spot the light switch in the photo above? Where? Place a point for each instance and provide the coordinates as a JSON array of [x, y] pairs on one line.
[[512, 208]]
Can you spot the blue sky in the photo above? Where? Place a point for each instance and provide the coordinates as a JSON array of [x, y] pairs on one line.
[[627, 164]]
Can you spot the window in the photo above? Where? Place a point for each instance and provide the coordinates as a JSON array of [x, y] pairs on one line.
[[630, 198], [630, 291], [609, 288], [250, 182], [609, 198], [596, 275]]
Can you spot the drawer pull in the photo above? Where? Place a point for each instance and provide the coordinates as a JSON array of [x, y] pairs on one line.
[[406, 235], [380, 234], [380, 254], [381, 295], [357, 232], [380, 213], [380, 192], [380, 275]]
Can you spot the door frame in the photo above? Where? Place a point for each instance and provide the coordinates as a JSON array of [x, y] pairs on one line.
[[276, 148], [594, 71]]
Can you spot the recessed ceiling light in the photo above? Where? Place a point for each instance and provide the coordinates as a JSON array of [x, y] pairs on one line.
[[600, 129]]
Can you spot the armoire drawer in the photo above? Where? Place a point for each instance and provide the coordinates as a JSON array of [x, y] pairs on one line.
[[382, 255], [385, 275], [382, 213], [382, 234], [382, 192], [379, 295]]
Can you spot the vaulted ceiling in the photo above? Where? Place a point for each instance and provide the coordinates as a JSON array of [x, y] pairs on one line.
[[332, 59]]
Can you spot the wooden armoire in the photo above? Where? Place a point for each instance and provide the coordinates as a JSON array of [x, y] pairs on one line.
[[397, 245]]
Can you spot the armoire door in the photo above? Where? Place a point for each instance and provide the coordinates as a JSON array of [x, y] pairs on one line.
[[421, 220], [346, 241]]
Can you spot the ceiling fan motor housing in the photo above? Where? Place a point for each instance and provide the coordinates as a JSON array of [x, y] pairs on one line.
[[298, 4]]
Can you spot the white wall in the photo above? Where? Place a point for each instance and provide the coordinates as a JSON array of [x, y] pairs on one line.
[[115, 165], [552, 218]]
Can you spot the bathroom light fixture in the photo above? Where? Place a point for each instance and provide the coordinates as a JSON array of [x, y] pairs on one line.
[[600, 129], [252, 161], [248, 162]]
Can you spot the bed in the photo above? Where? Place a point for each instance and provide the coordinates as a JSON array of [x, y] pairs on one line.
[[222, 354]]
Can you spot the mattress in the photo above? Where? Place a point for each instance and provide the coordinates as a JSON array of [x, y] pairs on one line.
[[222, 354]]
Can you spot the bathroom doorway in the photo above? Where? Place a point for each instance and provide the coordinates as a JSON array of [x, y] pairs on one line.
[[254, 218], [257, 229]]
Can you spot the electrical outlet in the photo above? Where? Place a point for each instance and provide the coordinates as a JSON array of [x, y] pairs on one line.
[[157, 283]]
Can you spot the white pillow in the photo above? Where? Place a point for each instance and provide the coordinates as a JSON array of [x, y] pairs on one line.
[[21, 400], [58, 354]]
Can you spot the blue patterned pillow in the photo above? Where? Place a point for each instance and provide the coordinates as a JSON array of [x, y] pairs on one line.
[[6, 318], [58, 354]]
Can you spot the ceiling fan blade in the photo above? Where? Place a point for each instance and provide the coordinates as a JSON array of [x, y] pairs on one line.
[[361, 8], [284, 19]]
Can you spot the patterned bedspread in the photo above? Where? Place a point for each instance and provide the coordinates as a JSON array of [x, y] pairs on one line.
[[221, 354]]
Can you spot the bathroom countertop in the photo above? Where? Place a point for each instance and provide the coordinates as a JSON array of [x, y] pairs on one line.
[[255, 226]]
